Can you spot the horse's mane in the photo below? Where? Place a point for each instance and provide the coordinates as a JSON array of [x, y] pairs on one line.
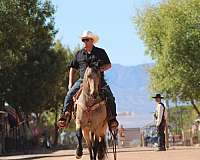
[[93, 68]]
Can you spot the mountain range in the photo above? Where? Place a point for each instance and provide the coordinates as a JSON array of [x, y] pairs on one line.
[[129, 85]]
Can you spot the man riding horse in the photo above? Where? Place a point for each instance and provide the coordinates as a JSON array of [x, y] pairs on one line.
[[83, 58]]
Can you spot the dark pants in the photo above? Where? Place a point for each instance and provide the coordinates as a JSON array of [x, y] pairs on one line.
[[110, 102], [161, 136], [110, 99]]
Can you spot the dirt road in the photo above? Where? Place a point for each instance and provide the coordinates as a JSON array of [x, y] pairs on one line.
[[178, 153]]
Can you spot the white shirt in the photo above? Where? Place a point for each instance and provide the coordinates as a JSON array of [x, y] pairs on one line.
[[159, 113]]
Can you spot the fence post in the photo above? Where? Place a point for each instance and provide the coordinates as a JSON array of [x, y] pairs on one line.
[[3, 116]]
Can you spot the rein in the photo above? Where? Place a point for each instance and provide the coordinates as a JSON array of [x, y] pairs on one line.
[[114, 142], [94, 106]]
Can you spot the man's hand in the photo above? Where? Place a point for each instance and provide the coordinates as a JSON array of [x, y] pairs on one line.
[[105, 67], [155, 115]]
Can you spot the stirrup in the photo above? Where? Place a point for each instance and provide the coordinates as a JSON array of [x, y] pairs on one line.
[[64, 116]]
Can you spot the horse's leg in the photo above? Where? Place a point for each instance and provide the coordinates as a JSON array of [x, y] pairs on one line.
[[79, 149], [102, 148], [86, 135], [95, 146]]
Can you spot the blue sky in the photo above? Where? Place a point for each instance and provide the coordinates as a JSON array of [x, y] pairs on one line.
[[110, 19]]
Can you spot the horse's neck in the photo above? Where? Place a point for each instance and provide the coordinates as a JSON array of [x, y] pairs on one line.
[[85, 98], [85, 91], [86, 88]]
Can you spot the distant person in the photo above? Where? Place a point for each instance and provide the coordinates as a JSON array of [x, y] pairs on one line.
[[122, 134], [173, 140], [62, 137], [46, 136], [160, 116], [86, 56]]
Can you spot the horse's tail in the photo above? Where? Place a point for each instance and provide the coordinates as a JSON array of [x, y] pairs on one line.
[[102, 149]]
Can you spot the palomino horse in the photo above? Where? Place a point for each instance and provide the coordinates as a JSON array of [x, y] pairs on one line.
[[91, 114]]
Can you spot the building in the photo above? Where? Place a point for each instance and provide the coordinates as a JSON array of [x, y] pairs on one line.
[[131, 137]]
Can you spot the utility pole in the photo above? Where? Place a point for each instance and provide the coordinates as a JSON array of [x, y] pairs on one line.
[[167, 124], [176, 116], [3, 117]]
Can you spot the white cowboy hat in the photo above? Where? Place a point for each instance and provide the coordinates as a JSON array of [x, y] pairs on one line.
[[89, 34]]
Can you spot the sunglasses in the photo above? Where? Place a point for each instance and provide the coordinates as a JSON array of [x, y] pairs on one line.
[[85, 40]]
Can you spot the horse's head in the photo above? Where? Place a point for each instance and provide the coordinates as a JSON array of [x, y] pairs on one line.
[[92, 78]]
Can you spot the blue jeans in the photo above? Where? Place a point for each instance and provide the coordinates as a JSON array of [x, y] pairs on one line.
[[72, 91]]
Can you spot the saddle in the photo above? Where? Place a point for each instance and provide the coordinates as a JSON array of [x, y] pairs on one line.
[[75, 98], [77, 95], [66, 116]]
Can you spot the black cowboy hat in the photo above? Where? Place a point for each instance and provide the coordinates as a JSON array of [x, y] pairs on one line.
[[158, 96]]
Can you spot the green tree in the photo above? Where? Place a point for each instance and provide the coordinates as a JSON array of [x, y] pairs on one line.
[[171, 33], [28, 65], [66, 56], [181, 118], [33, 67]]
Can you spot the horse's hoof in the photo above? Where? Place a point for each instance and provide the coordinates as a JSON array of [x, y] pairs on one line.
[[79, 152], [78, 157]]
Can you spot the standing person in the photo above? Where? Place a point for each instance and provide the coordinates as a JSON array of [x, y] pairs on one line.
[[122, 134], [160, 116], [46, 136], [89, 54]]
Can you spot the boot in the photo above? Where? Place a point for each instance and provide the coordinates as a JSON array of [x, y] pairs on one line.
[[64, 119], [111, 114]]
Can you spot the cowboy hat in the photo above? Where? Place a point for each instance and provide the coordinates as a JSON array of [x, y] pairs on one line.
[[89, 34], [158, 96]]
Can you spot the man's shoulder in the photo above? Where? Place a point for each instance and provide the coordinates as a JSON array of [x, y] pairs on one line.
[[161, 105], [79, 53], [99, 49]]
